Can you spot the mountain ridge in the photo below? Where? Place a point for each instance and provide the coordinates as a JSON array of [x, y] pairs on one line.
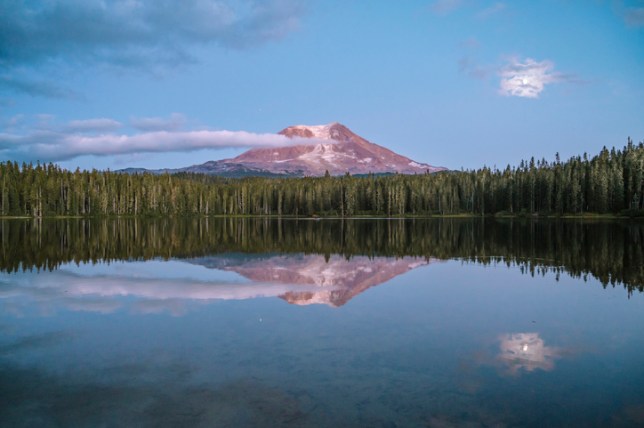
[[334, 148]]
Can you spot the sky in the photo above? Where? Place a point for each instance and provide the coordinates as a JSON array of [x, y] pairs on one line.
[[454, 83]]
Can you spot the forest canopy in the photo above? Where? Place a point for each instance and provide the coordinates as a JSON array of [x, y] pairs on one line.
[[611, 182]]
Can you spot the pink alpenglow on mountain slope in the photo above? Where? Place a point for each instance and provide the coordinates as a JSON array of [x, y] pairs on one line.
[[335, 149]]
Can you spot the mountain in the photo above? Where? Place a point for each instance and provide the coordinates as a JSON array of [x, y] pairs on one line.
[[333, 148]]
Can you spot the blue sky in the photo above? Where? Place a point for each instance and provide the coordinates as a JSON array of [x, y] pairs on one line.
[[455, 83]]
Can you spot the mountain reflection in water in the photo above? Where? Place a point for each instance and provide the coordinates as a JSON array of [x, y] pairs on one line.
[[464, 342], [333, 280], [612, 252], [298, 279]]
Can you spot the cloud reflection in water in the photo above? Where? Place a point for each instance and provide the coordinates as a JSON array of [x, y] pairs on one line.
[[527, 352], [170, 286]]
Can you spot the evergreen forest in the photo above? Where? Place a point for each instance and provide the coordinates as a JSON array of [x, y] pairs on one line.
[[611, 182]]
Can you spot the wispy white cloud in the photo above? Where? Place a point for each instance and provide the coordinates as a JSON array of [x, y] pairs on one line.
[[172, 123], [471, 68], [443, 7], [468, 63], [528, 78], [13, 121], [45, 141], [94, 125], [446, 7], [491, 11], [470, 43]]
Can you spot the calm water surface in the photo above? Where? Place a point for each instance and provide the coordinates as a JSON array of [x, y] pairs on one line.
[[382, 323]]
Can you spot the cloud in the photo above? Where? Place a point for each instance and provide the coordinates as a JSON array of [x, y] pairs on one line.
[[46, 142], [490, 11], [528, 78], [93, 125], [443, 7], [137, 34], [634, 16], [470, 43], [526, 352], [109, 291], [35, 88], [472, 69], [98, 30], [172, 123], [13, 121], [468, 65]]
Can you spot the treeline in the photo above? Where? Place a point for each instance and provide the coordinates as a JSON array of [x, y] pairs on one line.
[[610, 182], [613, 252]]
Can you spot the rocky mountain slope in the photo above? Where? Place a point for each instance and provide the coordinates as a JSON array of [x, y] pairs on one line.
[[333, 148]]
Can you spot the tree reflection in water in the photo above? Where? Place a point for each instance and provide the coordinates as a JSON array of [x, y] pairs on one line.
[[613, 252]]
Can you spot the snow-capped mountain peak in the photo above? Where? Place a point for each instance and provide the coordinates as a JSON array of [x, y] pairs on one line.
[[345, 152], [332, 147], [323, 132]]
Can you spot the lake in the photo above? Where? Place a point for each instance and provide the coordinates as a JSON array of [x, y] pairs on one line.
[[308, 323]]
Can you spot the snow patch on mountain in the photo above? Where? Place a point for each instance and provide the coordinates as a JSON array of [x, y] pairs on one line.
[[324, 132], [314, 150]]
